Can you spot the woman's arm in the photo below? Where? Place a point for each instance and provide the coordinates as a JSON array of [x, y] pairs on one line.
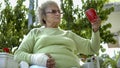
[[89, 46], [23, 53]]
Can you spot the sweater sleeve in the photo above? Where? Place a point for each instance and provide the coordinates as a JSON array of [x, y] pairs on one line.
[[23, 53], [87, 46]]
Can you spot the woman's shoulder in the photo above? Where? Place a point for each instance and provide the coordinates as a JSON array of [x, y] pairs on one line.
[[71, 33], [35, 31], [68, 32]]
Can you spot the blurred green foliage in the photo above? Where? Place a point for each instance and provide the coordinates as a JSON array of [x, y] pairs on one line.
[[13, 24], [74, 18]]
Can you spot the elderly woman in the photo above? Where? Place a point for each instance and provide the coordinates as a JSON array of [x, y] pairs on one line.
[[51, 47]]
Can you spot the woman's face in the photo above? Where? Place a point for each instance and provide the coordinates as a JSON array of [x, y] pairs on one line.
[[53, 16]]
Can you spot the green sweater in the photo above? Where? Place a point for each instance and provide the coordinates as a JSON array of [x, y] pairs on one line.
[[62, 45]]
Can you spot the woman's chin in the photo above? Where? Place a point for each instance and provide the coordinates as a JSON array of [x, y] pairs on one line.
[[57, 21]]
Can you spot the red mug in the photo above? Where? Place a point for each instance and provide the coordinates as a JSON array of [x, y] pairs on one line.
[[91, 15]]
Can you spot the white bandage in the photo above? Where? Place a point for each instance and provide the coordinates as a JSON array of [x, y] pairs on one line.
[[39, 59]]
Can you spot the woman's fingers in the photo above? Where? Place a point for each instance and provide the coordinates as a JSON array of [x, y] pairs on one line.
[[49, 55], [50, 61], [96, 25]]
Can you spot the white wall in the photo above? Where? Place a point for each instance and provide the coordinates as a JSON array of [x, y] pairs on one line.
[[114, 19]]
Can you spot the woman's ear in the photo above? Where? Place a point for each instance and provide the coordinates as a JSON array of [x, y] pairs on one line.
[[44, 19]]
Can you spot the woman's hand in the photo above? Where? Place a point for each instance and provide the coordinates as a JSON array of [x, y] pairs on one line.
[[50, 62], [96, 25]]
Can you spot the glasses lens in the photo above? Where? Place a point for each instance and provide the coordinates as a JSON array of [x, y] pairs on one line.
[[54, 11]]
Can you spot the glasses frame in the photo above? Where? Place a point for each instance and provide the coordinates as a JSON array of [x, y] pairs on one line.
[[52, 11]]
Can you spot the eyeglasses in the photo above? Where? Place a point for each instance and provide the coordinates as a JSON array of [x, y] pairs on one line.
[[54, 11]]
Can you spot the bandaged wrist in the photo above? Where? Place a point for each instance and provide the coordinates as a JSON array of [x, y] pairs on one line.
[[39, 59]]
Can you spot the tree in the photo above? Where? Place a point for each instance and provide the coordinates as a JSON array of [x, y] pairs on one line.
[[74, 18], [13, 24]]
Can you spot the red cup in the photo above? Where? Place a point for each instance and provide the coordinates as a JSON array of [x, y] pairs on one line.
[[91, 15]]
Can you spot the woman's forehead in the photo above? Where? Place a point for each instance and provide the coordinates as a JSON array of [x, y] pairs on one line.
[[53, 6]]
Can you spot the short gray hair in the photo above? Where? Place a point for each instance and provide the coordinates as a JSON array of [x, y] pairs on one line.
[[40, 13]]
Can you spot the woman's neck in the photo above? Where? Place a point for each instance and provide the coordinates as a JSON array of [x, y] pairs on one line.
[[51, 26]]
